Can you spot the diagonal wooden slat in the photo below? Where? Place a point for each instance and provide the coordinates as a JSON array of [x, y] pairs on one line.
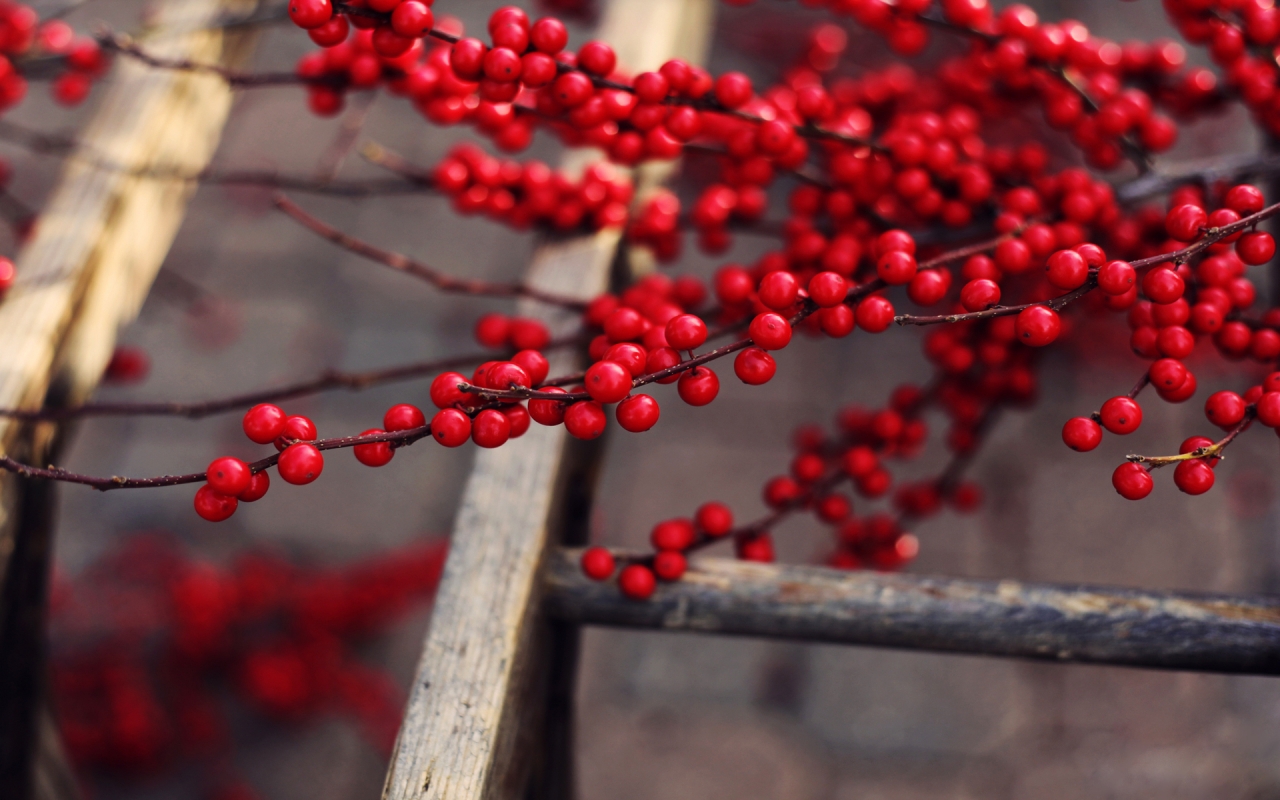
[[471, 729]]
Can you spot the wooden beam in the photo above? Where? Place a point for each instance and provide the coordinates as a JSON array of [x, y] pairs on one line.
[[98, 244], [1087, 624], [484, 685]]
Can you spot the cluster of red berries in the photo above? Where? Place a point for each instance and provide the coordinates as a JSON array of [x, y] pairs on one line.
[[855, 455], [1201, 297], [1237, 36], [148, 643], [82, 56], [532, 194]]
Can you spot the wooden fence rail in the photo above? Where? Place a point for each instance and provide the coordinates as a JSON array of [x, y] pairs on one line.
[[1125, 627]]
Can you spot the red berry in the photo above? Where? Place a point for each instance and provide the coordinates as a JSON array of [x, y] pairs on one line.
[[714, 519], [534, 364], [733, 90], [1116, 277], [213, 506], [548, 412], [403, 417], [505, 375], [228, 476], [637, 413], [572, 89], [608, 381], [874, 314], [492, 330], [264, 423], [1244, 199], [518, 416], [774, 137], [451, 427], [1121, 415], [698, 386], [828, 289], [490, 428], [630, 355], [672, 534], [1182, 393], [1256, 248], [837, 321], [754, 366], [637, 582], [660, 359], [770, 331], [1167, 374], [258, 485], [549, 35], [686, 332], [296, 428], [585, 419], [1225, 409], [309, 14], [1193, 476], [1132, 481], [896, 267], [412, 18], [597, 58], [1081, 434], [467, 59], [1067, 269], [1268, 409], [1037, 326], [669, 566], [597, 563], [374, 454], [502, 64], [928, 287], [779, 290], [979, 294], [757, 548], [624, 325], [300, 464], [445, 392], [529, 334], [1163, 285], [1185, 221]]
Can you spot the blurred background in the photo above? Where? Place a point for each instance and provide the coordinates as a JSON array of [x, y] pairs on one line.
[[247, 299]]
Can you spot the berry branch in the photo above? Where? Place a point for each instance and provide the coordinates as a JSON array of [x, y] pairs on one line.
[[1211, 451], [1209, 237], [326, 381], [402, 438], [402, 263]]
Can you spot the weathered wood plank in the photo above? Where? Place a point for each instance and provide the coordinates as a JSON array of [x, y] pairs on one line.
[[1125, 627], [98, 245], [471, 714]]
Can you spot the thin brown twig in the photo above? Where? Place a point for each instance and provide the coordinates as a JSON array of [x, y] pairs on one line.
[[396, 438], [56, 145], [402, 263], [328, 380], [125, 45]]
